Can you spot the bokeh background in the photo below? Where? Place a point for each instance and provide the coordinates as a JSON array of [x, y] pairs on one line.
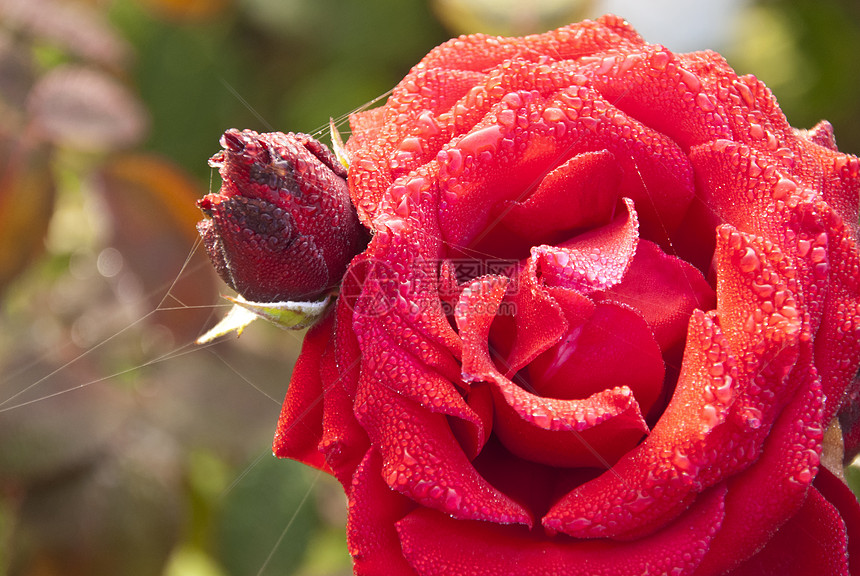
[[126, 449]]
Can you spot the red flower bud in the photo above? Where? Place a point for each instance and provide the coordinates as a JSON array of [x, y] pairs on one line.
[[282, 226]]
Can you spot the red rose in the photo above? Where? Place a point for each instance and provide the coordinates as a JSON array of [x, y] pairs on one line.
[[608, 311]]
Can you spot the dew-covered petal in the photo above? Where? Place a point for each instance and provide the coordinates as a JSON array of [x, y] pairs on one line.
[[422, 459], [775, 486], [374, 508], [474, 313], [397, 291], [536, 323], [654, 86], [479, 51], [591, 432], [526, 135], [837, 343], [665, 290], [696, 444], [438, 546], [593, 261], [394, 367]]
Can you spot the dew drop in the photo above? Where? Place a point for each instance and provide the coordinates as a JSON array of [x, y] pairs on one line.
[[553, 115], [749, 261], [783, 188], [541, 419], [690, 79], [752, 417], [709, 416], [578, 524], [704, 102], [513, 100], [507, 118], [804, 476], [452, 161], [453, 500], [756, 131], [426, 124], [485, 139], [682, 462], [819, 254]]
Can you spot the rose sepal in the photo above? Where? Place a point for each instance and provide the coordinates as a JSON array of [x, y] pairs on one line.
[[288, 315], [337, 145]]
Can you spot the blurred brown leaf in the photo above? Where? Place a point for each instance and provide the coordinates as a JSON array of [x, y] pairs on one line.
[[85, 108], [26, 203], [186, 10]]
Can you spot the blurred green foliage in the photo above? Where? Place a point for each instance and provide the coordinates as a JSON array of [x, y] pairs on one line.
[[268, 65], [805, 51]]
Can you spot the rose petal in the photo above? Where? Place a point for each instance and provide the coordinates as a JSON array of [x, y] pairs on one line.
[[438, 546], [837, 343], [300, 423], [773, 489], [374, 508], [813, 542], [392, 366], [479, 52], [613, 346], [536, 324], [579, 194], [838, 493], [687, 449], [594, 261], [506, 162], [589, 432], [422, 459], [474, 313], [656, 88], [343, 440], [593, 432], [665, 290], [347, 349], [757, 121]]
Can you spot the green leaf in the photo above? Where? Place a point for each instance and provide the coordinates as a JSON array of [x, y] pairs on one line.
[[287, 315]]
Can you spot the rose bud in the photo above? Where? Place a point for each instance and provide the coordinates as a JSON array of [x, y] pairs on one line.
[[282, 227]]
